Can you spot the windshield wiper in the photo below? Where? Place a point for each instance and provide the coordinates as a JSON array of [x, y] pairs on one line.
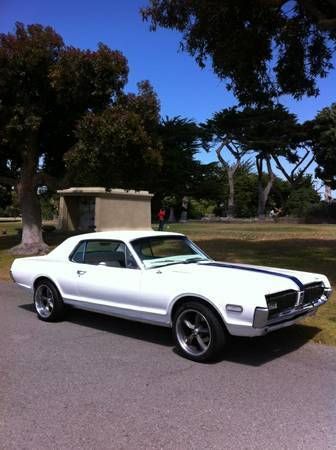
[[166, 263], [171, 262], [193, 260]]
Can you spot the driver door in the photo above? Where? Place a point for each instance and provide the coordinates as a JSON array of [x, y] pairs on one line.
[[107, 276]]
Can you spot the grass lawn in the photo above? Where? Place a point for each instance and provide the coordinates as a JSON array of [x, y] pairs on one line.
[[302, 247], [9, 228]]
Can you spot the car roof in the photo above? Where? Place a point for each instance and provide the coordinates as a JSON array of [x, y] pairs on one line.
[[125, 235], [66, 247]]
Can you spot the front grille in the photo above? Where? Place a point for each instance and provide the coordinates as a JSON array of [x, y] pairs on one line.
[[281, 301], [312, 292]]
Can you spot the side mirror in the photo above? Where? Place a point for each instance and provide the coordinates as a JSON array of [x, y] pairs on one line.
[[102, 263]]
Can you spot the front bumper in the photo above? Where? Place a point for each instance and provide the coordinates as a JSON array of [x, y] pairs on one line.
[[263, 325]]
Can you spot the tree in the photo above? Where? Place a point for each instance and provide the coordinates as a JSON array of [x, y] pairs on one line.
[[267, 131], [282, 196], [278, 135], [246, 191], [181, 174], [45, 89], [324, 144], [263, 48], [301, 199], [180, 139], [226, 130], [273, 132], [119, 146]]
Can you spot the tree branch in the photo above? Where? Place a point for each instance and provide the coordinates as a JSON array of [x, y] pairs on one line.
[[306, 167], [259, 165], [325, 22], [219, 154], [233, 152], [270, 182], [269, 167], [298, 164], [292, 178], [281, 168]]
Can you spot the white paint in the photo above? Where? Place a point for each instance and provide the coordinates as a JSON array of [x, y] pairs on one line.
[[149, 295]]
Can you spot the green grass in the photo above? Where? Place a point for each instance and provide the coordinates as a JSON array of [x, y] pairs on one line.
[[310, 248], [9, 228], [254, 231]]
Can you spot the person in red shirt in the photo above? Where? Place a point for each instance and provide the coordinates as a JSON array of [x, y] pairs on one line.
[[161, 216]]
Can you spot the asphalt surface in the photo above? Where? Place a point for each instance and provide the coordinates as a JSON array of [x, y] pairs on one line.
[[95, 382]]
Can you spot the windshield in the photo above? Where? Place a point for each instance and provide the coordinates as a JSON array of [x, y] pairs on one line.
[[163, 251]]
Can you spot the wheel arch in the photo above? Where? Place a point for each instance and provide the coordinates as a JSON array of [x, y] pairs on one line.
[[190, 297], [39, 278]]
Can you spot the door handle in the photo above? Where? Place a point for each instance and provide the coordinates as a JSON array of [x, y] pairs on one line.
[[81, 272]]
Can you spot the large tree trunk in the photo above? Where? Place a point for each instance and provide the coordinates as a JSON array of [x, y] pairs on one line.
[[231, 201], [184, 211], [263, 197], [230, 170], [263, 192], [171, 217], [32, 241]]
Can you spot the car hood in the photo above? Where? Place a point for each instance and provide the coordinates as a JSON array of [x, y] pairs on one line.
[[245, 277]]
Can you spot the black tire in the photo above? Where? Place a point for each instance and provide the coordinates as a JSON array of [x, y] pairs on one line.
[[48, 302], [192, 341]]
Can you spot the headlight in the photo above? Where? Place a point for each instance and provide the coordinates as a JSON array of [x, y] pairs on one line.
[[272, 304], [280, 301]]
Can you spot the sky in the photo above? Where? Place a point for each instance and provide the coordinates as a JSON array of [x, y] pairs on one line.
[[183, 88]]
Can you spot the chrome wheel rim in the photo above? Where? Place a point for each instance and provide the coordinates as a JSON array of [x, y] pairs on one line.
[[193, 332], [44, 300]]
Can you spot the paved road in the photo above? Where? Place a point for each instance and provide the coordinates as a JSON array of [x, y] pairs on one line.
[[93, 382]]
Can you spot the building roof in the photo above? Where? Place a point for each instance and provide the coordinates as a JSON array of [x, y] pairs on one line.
[[101, 191]]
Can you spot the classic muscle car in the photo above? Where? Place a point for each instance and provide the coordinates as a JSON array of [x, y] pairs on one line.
[[165, 279]]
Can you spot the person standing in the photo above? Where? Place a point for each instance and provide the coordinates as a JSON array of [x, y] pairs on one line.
[[161, 216]]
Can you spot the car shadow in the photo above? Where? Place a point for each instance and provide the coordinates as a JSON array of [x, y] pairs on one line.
[[248, 351], [261, 350], [123, 327]]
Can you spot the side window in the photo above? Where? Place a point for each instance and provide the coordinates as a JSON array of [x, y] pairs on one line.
[[104, 252], [78, 255]]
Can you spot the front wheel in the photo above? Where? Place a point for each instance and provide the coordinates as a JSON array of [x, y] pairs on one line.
[[48, 302], [198, 333]]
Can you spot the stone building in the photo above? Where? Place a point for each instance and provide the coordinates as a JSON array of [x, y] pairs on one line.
[[98, 209]]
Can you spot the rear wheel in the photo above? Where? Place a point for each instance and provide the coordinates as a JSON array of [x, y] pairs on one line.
[[198, 333], [48, 301]]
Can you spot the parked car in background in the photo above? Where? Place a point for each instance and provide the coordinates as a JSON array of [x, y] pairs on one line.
[[165, 279]]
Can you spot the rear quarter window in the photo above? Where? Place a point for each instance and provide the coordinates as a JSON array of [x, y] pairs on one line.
[[79, 252]]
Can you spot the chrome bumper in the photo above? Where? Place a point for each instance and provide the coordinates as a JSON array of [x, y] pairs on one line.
[[261, 320]]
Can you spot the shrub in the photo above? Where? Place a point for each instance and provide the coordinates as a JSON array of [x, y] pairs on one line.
[[321, 212]]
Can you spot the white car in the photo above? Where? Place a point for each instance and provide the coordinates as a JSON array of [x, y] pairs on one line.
[[165, 279]]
